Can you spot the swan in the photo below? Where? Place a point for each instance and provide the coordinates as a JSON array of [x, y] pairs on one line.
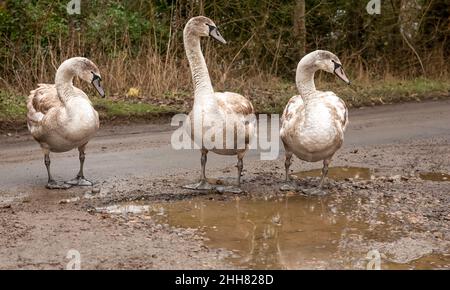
[[214, 113], [314, 122], [61, 117]]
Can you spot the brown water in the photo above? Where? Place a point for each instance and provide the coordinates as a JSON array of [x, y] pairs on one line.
[[361, 173], [339, 173], [285, 233], [298, 232], [435, 176], [294, 232]]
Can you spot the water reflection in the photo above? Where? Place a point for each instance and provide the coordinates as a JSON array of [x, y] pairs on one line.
[[435, 176], [295, 232]]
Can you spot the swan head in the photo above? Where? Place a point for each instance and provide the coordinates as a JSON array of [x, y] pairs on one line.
[[85, 69], [328, 62], [202, 26], [90, 73]]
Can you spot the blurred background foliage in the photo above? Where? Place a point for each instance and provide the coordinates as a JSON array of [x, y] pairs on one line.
[[138, 44]]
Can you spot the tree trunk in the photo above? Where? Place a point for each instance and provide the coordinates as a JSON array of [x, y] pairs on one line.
[[409, 18], [409, 25], [300, 27]]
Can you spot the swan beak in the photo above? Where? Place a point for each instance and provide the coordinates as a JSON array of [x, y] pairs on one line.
[[339, 71], [214, 33], [96, 83]]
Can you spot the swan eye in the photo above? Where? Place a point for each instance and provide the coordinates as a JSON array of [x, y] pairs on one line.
[[95, 76], [336, 65], [211, 27]]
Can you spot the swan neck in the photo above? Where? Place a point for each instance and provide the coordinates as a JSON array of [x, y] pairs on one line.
[[197, 63], [305, 80], [64, 84]]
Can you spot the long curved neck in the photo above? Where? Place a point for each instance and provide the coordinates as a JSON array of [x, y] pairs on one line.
[[64, 82], [199, 70], [305, 79]]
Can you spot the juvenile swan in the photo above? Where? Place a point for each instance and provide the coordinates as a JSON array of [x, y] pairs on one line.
[[211, 110], [314, 122], [61, 117]]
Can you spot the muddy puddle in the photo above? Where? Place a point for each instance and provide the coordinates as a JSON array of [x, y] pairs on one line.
[[340, 173], [362, 173], [294, 232], [435, 176]]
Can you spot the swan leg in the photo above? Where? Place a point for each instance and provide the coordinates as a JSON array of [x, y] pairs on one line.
[[80, 180], [319, 190], [326, 163], [289, 185], [52, 184], [203, 160], [234, 189], [47, 164], [287, 165], [203, 184], [240, 167]]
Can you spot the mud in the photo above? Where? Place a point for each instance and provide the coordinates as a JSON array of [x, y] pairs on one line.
[[394, 198]]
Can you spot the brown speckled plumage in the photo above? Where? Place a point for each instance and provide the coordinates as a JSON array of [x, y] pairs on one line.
[[314, 122], [211, 109], [60, 116]]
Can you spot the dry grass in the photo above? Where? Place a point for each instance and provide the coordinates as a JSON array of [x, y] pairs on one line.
[[151, 84]]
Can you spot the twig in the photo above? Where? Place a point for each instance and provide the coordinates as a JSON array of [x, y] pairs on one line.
[[224, 77], [413, 49]]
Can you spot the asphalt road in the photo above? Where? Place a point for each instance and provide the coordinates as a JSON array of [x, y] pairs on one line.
[[145, 149]]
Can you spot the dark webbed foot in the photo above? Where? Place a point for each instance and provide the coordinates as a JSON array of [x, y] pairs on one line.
[[79, 181], [57, 185], [229, 189], [318, 191], [289, 186], [202, 185]]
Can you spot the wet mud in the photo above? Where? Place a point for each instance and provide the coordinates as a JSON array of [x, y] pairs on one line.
[[387, 199]]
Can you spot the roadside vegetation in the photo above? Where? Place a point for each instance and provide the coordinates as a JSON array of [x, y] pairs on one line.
[[400, 55]]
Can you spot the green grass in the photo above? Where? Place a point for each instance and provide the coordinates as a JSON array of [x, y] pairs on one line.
[[357, 94], [386, 92], [13, 110], [108, 108], [12, 107], [270, 99]]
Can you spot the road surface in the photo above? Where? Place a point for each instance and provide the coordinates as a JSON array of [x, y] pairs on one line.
[[146, 150]]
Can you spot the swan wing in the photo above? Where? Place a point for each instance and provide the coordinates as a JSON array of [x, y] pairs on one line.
[[43, 99], [337, 105], [232, 103], [239, 109], [342, 108], [40, 102], [43, 107], [293, 116], [295, 106]]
